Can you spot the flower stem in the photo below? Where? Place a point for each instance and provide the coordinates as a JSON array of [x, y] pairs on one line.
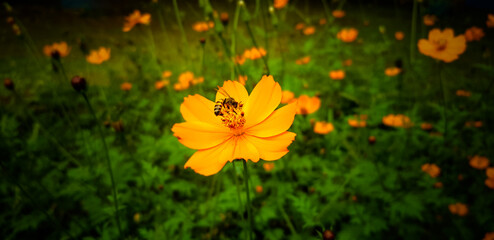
[[234, 175], [179, 21], [100, 131], [247, 190], [443, 93], [414, 29]]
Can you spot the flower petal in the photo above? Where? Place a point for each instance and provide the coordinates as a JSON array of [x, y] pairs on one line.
[[236, 90], [245, 150], [426, 47], [278, 122], [263, 100], [457, 45], [199, 108], [272, 148], [448, 33], [200, 135], [210, 161], [435, 34]]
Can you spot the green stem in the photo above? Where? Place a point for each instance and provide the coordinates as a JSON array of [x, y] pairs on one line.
[[255, 45], [100, 131], [233, 49], [179, 21], [443, 94], [412, 34], [247, 190], [234, 172]]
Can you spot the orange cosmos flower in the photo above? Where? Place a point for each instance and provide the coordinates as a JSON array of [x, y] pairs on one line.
[[307, 105], [490, 172], [322, 21], [474, 34], [430, 20], [438, 185], [432, 169], [268, 167], [463, 93], [323, 127], [479, 162], [489, 236], [299, 26], [348, 62], [489, 183], [443, 45], [287, 96], [426, 126], [347, 35], [136, 18], [203, 26], [338, 13], [166, 74], [337, 74], [303, 60], [398, 120], [459, 209], [185, 80], [259, 189], [490, 20], [399, 36], [98, 56], [245, 127], [60, 49], [239, 59], [254, 53], [392, 71], [309, 30], [358, 121], [278, 4], [161, 84], [242, 79], [126, 86]]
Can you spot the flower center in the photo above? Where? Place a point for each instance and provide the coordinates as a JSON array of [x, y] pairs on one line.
[[441, 44], [231, 114]]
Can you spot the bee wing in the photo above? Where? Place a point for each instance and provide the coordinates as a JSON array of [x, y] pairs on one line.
[[223, 92]]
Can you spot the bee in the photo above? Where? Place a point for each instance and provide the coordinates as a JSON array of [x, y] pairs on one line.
[[221, 103]]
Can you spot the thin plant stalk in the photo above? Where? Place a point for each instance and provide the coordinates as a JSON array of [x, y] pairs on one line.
[[443, 95], [100, 131], [413, 31], [180, 26], [233, 49], [247, 190], [234, 175]]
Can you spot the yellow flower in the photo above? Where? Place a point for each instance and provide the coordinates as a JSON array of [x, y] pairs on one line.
[[323, 127], [98, 56], [136, 18], [443, 45], [61, 49]]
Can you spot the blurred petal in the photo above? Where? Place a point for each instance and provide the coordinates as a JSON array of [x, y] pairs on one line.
[[426, 47], [272, 148], [210, 161], [278, 122], [199, 108], [263, 100], [200, 135], [236, 90]]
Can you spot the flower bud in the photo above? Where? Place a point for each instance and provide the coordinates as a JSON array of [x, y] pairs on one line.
[[372, 140], [78, 83], [328, 235], [8, 84], [224, 18], [202, 40]]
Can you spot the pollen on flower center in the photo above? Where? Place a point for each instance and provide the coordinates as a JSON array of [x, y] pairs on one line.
[[232, 115], [441, 44]]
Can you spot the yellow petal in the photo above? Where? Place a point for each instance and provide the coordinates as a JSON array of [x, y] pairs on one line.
[[435, 34], [272, 148], [263, 100], [278, 122], [200, 135], [235, 90], [245, 150], [426, 47], [448, 33], [210, 161], [199, 108]]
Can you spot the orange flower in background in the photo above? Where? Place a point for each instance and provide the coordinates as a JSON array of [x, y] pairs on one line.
[[278, 4], [166, 74], [463, 93], [443, 45], [479, 162], [309, 30], [358, 121], [242, 79], [338, 13], [61, 48], [185, 80], [489, 183], [136, 18], [245, 127], [347, 35], [287, 96], [337, 74], [490, 172], [430, 20], [459, 209], [161, 84], [392, 71], [259, 189], [299, 26], [307, 105], [254, 53], [323, 127], [474, 34], [438, 185], [398, 120], [98, 56], [432, 169], [347, 62], [303, 60], [268, 167], [490, 20], [126, 86], [489, 236], [322, 21], [426, 126], [399, 36], [476, 124], [203, 26]]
